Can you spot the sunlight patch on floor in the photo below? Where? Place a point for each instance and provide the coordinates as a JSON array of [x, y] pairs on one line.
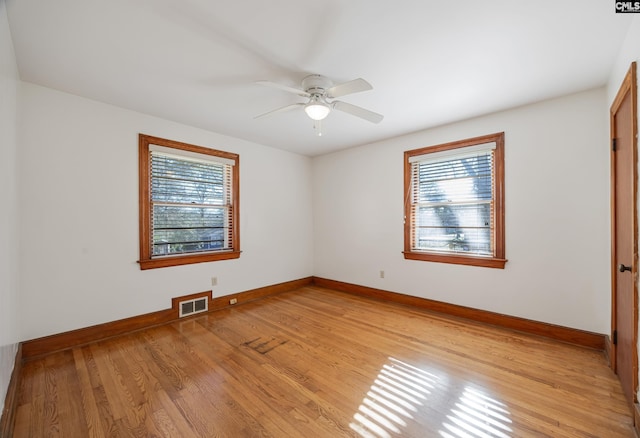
[[477, 415], [397, 393], [401, 391]]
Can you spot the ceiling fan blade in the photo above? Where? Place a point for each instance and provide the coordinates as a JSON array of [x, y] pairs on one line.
[[354, 86], [358, 111], [286, 88], [280, 110]]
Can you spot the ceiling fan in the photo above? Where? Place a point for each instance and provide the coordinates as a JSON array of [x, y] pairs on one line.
[[321, 91]]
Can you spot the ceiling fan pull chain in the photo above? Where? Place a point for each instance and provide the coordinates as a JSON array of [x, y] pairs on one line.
[[317, 125]]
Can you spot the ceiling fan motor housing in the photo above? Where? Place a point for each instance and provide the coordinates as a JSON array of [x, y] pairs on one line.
[[316, 84]]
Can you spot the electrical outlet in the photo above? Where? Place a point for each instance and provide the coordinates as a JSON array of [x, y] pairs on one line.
[[214, 281], [381, 274], [233, 301]]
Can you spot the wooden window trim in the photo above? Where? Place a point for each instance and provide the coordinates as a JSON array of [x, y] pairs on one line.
[[146, 261], [498, 260]]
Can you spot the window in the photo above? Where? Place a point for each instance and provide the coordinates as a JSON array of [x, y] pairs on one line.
[[454, 202], [188, 203]]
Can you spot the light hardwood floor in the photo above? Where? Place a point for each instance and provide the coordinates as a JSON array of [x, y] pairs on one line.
[[318, 363]]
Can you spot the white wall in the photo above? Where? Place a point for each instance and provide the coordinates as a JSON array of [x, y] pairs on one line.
[[8, 209], [78, 196], [629, 52], [557, 216]]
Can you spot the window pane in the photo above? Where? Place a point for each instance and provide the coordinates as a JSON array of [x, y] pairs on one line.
[[452, 204], [456, 180], [187, 182], [180, 228], [459, 228], [188, 229]]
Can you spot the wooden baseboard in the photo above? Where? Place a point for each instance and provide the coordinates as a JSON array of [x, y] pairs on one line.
[[261, 292], [74, 338], [560, 333], [8, 419]]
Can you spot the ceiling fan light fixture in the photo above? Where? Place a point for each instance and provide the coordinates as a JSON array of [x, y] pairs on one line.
[[318, 89], [317, 110]]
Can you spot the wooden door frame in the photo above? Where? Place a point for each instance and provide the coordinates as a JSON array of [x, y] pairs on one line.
[[629, 84]]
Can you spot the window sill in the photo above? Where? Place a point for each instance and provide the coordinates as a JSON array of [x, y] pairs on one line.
[[485, 262], [164, 262]]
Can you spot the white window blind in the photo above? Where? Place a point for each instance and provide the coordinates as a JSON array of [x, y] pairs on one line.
[[191, 203], [452, 201]]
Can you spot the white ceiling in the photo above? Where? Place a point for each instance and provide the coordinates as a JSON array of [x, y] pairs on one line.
[[430, 62]]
